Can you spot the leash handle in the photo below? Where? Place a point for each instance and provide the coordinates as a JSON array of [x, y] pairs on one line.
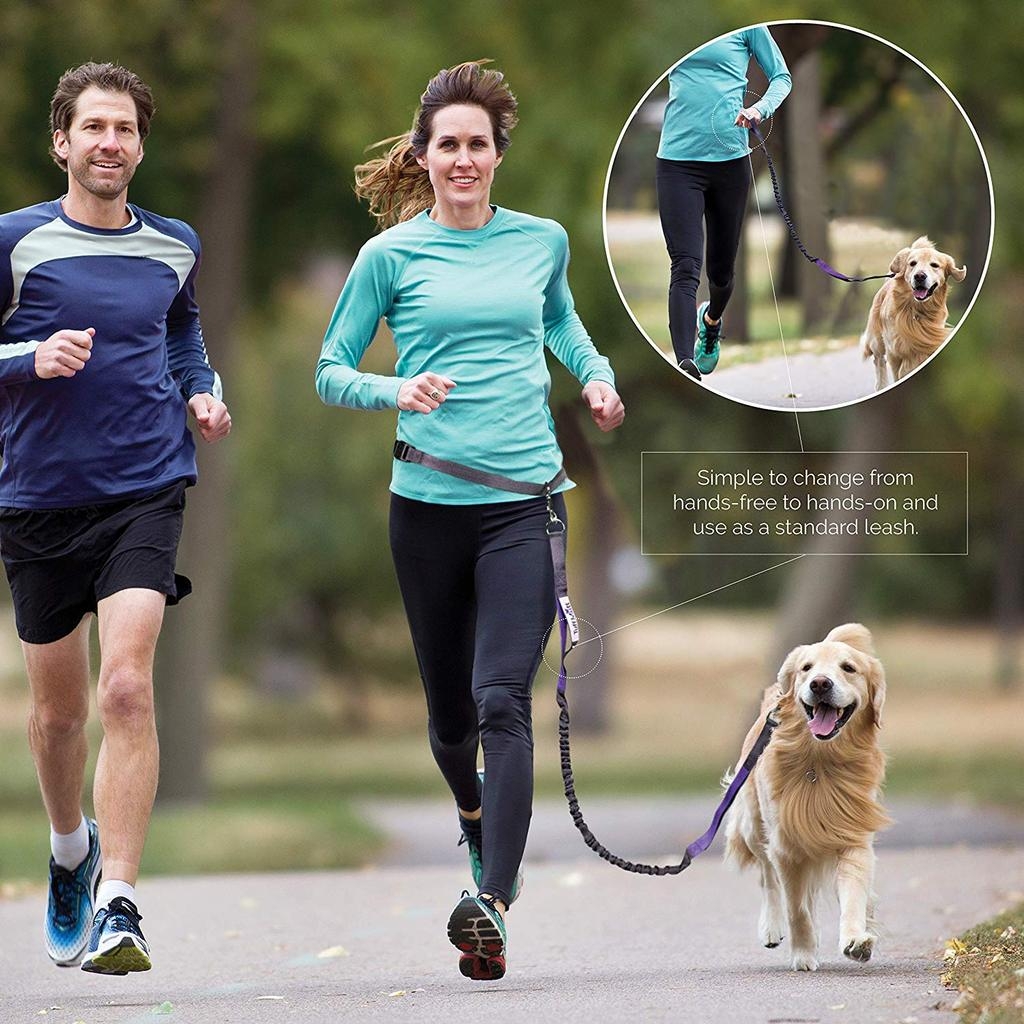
[[816, 260]]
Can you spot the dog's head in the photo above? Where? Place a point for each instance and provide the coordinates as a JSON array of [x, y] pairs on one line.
[[923, 270], [836, 681]]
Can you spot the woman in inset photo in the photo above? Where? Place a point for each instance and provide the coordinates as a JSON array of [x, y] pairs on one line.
[[703, 179], [473, 294]]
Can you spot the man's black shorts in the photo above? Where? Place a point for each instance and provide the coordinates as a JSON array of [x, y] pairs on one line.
[[61, 562]]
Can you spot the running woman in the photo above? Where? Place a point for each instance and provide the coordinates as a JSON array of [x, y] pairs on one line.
[[473, 293], [101, 360], [703, 176]]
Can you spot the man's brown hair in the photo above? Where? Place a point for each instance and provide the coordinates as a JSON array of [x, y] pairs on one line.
[[110, 78]]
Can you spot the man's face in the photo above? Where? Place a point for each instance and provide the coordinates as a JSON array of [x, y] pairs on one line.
[[102, 146]]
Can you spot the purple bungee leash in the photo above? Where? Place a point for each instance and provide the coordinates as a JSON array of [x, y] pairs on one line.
[[569, 634], [816, 260]]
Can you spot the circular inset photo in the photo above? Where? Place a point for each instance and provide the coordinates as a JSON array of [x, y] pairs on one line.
[[798, 215]]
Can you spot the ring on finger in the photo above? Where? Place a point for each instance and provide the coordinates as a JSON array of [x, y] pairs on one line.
[[435, 395]]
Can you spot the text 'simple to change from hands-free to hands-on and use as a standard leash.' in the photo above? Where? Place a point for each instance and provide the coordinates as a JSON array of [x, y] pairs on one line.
[[816, 260], [569, 635]]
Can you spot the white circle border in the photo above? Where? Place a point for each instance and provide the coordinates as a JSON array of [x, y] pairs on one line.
[[789, 410]]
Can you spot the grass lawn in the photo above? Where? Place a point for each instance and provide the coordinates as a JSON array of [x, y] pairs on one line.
[[986, 965], [284, 781]]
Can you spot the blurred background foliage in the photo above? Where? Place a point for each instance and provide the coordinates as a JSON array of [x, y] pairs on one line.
[[305, 682]]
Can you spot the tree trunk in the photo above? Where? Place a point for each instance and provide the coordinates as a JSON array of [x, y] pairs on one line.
[[1009, 584], [738, 328], [821, 590], [807, 196], [190, 651]]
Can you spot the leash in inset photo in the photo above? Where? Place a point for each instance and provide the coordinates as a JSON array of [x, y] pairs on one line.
[[816, 260]]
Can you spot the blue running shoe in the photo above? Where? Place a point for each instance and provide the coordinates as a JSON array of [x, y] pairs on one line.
[[477, 930], [709, 338], [117, 945], [69, 907], [476, 861]]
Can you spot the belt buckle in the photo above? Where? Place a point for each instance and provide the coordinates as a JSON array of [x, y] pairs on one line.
[[401, 451]]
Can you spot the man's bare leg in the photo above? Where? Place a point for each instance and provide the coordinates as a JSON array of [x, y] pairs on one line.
[[58, 674], [128, 765]]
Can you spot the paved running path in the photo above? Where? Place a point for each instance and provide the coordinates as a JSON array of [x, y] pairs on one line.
[[828, 379], [588, 944], [422, 832]]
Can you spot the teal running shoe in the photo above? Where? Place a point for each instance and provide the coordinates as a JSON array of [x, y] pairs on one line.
[[70, 904], [117, 945], [708, 347], [477, 930], [476, 859]]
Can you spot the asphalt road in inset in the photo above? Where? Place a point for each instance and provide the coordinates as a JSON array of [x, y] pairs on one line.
[[805, 380]]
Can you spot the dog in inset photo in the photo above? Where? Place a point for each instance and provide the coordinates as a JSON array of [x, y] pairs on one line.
[[808, 815], [907, 321]]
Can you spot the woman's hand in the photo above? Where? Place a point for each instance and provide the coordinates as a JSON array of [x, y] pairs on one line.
[[606, 408], [424, 393], [749, 117]]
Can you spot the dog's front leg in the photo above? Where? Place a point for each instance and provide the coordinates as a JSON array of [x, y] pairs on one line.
[[797, 884], [881, 367], [854, 879], [770, 925]]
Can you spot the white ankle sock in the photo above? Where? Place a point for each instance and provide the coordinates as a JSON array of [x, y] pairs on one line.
[[115, 887], [70, 850]]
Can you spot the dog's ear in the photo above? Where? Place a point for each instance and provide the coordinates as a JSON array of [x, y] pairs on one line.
[[955, 272], [787, 673], [899, 261], [854, 635], [876, 689]]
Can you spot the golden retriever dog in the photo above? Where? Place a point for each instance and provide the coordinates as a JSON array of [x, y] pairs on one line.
[[808, 814], [907, 321]]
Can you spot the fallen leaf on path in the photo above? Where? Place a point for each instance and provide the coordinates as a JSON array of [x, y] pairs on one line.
[[331, 951], [400, 992], [163, 1008]]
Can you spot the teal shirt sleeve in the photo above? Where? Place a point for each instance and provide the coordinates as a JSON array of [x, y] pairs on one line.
[[768, 55], [564, 333], [365, 298]]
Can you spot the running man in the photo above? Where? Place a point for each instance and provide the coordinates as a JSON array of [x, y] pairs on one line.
[[101, 359]]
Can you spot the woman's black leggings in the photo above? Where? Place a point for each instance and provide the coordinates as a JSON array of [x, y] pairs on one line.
[[478, 588], [689, 193]]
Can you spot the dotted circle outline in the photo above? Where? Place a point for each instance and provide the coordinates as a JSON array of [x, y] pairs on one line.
[[597, 636], [769, 120]]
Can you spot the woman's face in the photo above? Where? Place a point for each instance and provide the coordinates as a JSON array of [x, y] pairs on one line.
[[460, 159]]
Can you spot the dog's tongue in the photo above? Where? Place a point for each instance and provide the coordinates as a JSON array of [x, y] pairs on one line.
[[920, 293], [824, 720]]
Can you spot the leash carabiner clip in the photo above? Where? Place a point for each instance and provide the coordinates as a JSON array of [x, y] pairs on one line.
[[554, 525]]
